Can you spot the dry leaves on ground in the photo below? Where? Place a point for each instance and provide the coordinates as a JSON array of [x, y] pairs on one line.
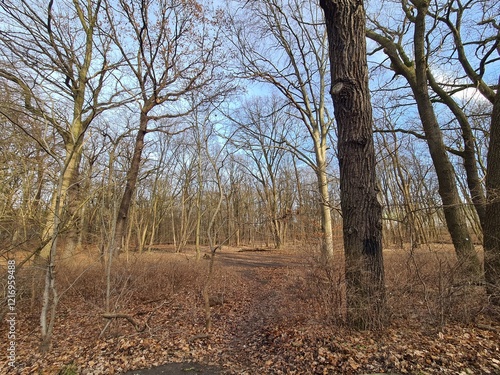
[[268, 323]]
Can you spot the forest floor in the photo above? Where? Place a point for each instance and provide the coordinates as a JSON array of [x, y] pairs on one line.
[[274, 312]]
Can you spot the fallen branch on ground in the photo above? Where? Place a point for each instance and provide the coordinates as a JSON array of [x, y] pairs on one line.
[[198, 337], [129, 319]]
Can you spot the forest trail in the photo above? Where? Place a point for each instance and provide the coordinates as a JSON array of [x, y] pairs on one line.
[[276, 317], [259, 309]]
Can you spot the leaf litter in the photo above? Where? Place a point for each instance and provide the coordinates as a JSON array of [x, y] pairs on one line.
[[268, 323]]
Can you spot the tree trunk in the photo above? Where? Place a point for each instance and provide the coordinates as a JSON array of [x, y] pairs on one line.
[[132, 176], [452, 204], [74, 209], [326, 212], [469, 153], [362, 213], [417, 77], [70, 167], [492, 225], [199, 214]]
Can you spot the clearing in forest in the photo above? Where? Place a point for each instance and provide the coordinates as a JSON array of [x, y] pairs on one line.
[[273, 312]]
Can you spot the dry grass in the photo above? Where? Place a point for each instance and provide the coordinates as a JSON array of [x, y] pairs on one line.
[[266, 297], [423, 286]]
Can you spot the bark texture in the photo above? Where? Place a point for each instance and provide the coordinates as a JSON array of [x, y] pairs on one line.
[[132, 177], [416, 73], [326, 211], [492, 223], [452, 204], [361, 210]]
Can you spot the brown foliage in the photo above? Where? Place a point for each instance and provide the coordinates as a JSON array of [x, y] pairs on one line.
[[282, 313]]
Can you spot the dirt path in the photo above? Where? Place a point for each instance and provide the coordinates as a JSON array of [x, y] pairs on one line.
[[275, 318], [259, 309], [255, 259], [178, 369]]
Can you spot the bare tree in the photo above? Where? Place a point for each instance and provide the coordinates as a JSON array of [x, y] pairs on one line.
[[60, 63], [258, 125], [417, 73], [283, 44], [216, 158], [169, 50], [54, 54], [361, 211], [23, 178], [492, 225]]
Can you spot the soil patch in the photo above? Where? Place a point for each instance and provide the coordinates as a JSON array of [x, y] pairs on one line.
[[178, 369]]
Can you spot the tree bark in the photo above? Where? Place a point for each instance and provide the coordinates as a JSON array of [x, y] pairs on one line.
[[415, 72], [492, 225], [69, 170], [361, 210], [74, 213], [132, 176], [326, 211], [452, 204]]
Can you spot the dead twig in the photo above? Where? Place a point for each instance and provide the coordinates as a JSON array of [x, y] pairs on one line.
[[488, 327], [128, 318], [198, 337]]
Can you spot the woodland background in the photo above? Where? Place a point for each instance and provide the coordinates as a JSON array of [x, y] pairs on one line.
[[141, 132]]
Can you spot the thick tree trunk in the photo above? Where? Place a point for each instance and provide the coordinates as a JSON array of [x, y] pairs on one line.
[[74, 213], [70, 167], [132, 176], [492, 224], [452, 204], [362, 213]]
